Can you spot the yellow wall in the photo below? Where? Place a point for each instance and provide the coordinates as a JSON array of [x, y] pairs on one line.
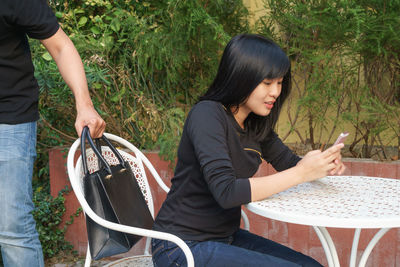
[[257, 9]]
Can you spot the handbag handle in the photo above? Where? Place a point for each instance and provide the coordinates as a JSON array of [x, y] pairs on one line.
[[98, 151], [86, 136], [114, 150], [102, 162], [98, 146]]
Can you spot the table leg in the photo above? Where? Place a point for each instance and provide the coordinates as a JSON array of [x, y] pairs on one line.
[[331, 246], [328, 246], [371, 245], [354, 247]]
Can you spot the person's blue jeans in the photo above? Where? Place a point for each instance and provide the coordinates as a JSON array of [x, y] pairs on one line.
[[241, 249], [19, 240]]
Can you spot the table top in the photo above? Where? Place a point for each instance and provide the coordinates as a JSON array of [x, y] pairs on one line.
[[336, 201]]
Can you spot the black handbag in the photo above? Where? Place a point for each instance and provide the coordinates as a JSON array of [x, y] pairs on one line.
[[113, 194]]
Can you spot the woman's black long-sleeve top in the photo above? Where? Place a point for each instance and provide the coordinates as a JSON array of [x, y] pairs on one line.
[[216, 157]]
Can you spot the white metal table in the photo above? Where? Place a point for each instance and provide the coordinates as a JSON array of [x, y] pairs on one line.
[[338, 201]]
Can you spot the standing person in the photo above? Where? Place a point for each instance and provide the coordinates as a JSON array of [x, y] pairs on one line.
[[225, 137], [20, 245]]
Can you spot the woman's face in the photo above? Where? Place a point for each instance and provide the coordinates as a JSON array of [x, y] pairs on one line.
[[262, 99]]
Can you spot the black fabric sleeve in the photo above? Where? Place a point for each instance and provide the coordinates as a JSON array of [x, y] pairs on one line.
[[35, 18], [278, 154], [207, 130]]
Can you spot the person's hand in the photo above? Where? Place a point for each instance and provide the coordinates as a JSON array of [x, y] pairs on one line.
[[339, 168], [317, 164], [89, 117]]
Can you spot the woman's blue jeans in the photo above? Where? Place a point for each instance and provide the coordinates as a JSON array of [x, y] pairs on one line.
[[241, 249], [19, 240]]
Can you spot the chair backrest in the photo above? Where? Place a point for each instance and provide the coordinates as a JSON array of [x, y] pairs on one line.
[[135, 164], [136, 159]]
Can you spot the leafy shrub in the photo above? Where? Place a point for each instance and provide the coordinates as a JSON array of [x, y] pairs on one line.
[[145, 60], [48, 216], [346, 57]]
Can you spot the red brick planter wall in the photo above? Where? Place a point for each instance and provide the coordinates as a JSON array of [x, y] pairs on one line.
[[299, 237]]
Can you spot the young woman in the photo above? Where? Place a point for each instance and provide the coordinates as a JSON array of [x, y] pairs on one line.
[[225, 137]]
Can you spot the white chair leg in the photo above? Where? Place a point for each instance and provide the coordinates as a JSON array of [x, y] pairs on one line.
[[88, 257], [246, 223], [147, 247]]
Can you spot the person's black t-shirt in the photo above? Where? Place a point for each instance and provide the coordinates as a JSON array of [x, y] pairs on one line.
[[215, 159], [19, 90]]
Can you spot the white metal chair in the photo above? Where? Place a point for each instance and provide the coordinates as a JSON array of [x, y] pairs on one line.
[[137, 163]]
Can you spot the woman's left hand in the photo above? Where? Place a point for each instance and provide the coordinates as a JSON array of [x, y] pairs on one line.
[[339, 166]]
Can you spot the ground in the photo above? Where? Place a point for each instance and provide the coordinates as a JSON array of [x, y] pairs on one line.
[[73, 261]]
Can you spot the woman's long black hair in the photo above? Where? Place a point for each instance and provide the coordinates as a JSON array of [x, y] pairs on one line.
[[247, 60]]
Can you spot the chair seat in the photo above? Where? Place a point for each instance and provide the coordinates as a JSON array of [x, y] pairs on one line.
[[137, 261]]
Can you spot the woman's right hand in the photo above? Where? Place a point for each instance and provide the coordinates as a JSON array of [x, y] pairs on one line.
[[317, 164]]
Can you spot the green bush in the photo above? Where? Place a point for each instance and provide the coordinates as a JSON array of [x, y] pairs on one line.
[[346, 57], [48, 215], [146, 63]]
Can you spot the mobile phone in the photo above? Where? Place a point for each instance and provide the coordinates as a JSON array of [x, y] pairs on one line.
[[341, 138]]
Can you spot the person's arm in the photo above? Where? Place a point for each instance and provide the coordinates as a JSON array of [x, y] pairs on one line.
[[314, 165], [71, 68], [207, 130], [276, 153]]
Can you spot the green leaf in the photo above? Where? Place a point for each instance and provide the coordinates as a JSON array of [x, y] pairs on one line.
[[115, 25], [82, 21], [115, 98], [79, 11], [95, 30], [96, 85], [47, 56], [59, 14]]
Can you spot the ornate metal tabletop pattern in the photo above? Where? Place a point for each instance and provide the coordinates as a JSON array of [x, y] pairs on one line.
[[337, 201]]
